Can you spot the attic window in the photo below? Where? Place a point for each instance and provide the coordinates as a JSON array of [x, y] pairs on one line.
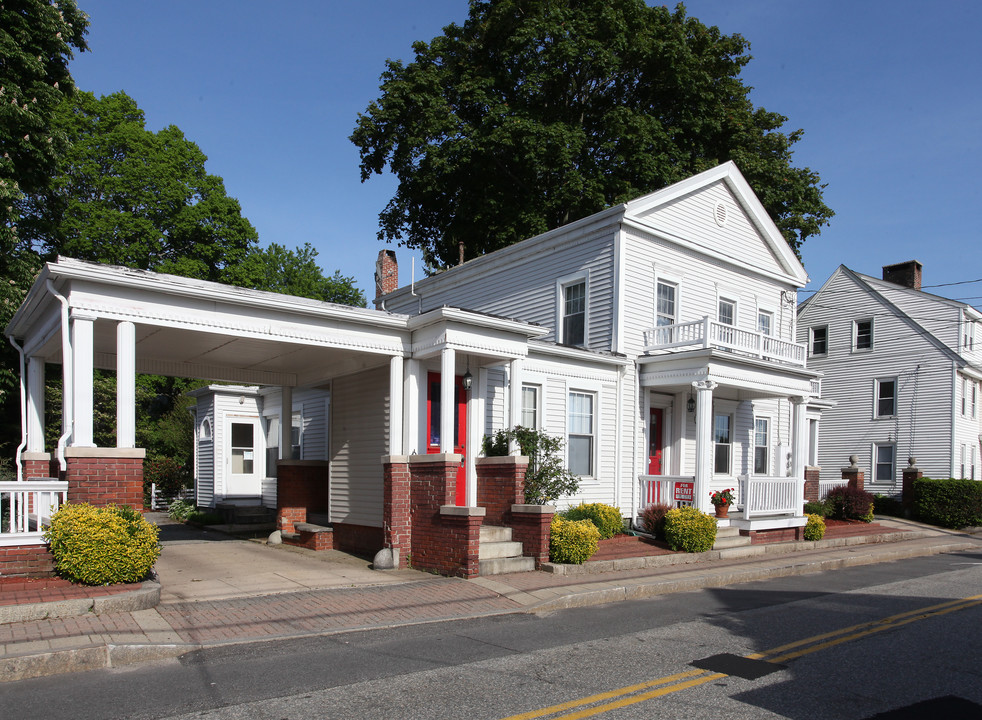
[[719, 214]]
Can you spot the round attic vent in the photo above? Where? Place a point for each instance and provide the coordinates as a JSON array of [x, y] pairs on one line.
[[719, 214]]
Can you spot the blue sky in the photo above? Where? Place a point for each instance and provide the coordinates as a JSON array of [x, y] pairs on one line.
[[888, 94]]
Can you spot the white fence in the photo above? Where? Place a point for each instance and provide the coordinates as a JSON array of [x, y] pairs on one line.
[[769, 496], [709, 333], [26, 507], [825, 486], [660, 489]]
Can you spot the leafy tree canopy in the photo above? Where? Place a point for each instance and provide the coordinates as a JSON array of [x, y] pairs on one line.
[[535, 113]]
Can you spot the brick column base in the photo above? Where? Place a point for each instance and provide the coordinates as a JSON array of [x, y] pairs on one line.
[[531, 525], [396, 526], [910, 474], [853, 474], [302, 486], [462, 532], [105, 476], [811, 484], [500, 484]]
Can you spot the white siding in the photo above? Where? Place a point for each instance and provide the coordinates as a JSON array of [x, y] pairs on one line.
[[495, 406], [359, 439], [204, 476]]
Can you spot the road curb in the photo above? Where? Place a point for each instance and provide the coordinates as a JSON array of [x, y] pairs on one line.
[[144, 598], [82, 659]]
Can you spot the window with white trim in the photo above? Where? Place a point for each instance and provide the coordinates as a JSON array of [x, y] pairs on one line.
[[574, 313], [862, 335], [968, 336], [964, 458], [765, 322], [819, 340], [762, 443], [296, 437], [886, 397], [205, 432], [971, 461], [964, 395], [530, 406], [722, 443], [975, 388], [726, 312], [666, 303], [884, 458], [580, 433]]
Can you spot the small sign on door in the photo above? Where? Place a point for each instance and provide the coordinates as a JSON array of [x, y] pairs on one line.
[[684, 492]]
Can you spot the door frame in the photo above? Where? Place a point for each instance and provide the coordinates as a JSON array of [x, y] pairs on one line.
[[460, 438], [258, 463]]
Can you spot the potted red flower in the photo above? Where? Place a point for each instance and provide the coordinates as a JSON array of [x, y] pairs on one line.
[[722, 499]]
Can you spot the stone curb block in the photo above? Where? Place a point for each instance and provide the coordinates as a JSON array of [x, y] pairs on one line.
[[148, 596], [58, 662]]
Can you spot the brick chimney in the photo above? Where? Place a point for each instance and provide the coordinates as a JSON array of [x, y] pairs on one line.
[[907, 274], [386, 273]]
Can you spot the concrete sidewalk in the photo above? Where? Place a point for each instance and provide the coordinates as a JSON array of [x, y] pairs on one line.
[[302, 594]]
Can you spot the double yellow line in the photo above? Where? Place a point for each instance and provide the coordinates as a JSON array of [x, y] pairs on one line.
[[650, 689]]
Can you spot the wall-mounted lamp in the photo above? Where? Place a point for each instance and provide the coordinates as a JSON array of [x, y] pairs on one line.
[[468, 379], [690, 404]]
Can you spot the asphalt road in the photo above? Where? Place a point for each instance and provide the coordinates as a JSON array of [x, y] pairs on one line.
[[893, 641]]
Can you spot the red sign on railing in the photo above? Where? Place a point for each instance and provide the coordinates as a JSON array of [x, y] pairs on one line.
[[684, 492]]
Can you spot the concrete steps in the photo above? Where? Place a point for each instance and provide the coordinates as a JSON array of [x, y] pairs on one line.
[[729, 537], [499, 554]]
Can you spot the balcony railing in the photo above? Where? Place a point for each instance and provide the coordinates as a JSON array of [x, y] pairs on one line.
[[26, 508], [769, 496], [708, 333]]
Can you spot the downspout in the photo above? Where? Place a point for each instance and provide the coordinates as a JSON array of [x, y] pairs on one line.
[[23, 410], [67, 387]]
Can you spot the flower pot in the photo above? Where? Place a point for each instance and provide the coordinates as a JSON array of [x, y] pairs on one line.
[[723, 510]]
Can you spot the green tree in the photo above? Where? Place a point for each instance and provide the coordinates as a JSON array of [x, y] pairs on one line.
[[535, 113], [125, 195], [37, 39]]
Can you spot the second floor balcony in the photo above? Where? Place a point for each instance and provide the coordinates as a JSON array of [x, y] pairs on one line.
[[709, 333]]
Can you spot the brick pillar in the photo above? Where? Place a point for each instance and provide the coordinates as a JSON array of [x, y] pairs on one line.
[[462, 533], [531, 525], [37, 465], [853, 474], [910, 474], [500, 484], [105, 476], [811, 484], [396, 526], [302, 486]]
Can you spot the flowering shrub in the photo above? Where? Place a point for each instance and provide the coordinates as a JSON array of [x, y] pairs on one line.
[[722, 497], [606, 517], [815, 527], [572, 541], [102, 546], [690, 529]]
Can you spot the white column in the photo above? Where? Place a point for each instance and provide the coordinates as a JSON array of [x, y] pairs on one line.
[[515, 400], [286, 422], [447, 410], [83, 361], [125, 385], [472, 442], [395, 404], [412, 406], [799, 447], [35, 404], [704, 443]]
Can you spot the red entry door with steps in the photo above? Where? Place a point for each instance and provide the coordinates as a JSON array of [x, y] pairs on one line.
[[433, 429]]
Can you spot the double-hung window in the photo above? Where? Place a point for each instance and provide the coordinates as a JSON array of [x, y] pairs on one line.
[[884, 457], [762, 434], [579, 441], [886, 397], [820, 340], [666, 303], [968, 337], [530, 406], [862, 331], [722, 443], [727, 312], [574, 313], [964, 460], [765, 322], [964, 395]]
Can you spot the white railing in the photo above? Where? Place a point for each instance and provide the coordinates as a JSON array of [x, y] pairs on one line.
[[769, 496], [825, 486], [707, 333], [660, 490], [26, 507]]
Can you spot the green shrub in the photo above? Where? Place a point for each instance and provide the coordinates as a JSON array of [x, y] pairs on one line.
[[653, 519], [815, 527], [690, 530], [168, 475], [950, 503], [205, 517], [572, 541], [102, 546], [849, 503], [817, 507], [547, 477], [886, 505], [181, 510], [606, 517]]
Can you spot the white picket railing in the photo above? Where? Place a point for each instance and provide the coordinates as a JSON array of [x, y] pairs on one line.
[[825, 486], [710, 333], [660, 490], [769, 496], [27, 506]]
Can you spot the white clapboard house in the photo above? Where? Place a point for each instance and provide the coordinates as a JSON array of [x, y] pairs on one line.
[[904, 368]]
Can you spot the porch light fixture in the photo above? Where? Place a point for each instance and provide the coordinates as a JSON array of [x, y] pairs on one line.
[[468, 379], [690, 404]]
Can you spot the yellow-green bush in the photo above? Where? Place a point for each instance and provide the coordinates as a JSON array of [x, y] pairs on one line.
[[607, 518], [102, 546], [572, 541], [815, 527], [690, 529]]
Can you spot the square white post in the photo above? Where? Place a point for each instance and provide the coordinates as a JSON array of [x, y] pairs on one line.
[[395, 404], [83, 360], [704, 443], [447, 408], [799, 447], [514, 401], [35, 404], [286, 422], [125, 385]]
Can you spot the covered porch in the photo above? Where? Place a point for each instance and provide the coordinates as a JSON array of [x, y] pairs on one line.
[[729, 421]]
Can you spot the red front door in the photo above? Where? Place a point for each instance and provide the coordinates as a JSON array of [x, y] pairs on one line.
[[655, 441], [433, 429]]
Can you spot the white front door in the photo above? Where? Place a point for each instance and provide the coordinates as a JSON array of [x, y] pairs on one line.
[[245, 457]]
